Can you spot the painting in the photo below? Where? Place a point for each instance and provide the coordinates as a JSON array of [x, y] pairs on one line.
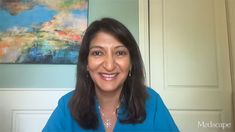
[[41, 31]]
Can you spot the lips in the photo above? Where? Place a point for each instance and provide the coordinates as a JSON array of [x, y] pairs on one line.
[[108, 76]]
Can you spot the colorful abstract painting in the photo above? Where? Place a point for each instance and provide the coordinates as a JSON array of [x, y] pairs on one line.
[[41, 31]]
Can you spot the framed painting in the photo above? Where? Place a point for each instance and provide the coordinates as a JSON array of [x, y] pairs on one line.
[[41, 31]]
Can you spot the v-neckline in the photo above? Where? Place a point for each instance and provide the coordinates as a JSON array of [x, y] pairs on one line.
[[101, 123]]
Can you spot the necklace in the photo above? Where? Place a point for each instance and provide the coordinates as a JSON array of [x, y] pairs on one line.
[[107, 121]]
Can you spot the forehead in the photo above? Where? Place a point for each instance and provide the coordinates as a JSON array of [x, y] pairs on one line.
[[105, 39]]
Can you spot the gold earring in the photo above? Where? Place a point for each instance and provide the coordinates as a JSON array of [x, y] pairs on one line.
[[129, 74]]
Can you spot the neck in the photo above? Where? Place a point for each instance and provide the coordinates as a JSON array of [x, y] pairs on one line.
[[109, 101]]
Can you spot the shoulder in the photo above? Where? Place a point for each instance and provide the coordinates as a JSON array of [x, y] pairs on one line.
[[66, 98], [153, 95], [151, 91], [154, 100], [68, 95], [156, 109], [61, 117]]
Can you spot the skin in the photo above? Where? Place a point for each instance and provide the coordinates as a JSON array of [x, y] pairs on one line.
[[108, 65]]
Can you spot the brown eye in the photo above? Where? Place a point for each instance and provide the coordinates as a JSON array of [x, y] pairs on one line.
[[121, 53], [96, 53]]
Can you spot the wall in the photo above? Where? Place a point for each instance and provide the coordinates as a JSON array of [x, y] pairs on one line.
[[29, 93], [63, 76]]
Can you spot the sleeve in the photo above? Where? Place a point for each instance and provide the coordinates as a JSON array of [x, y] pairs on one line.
[[55, 122], [163, 120]]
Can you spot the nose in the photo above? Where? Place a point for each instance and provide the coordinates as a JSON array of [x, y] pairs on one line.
[[109, 63]]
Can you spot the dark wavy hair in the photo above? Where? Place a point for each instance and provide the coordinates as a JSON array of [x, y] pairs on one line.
[[133, 95]]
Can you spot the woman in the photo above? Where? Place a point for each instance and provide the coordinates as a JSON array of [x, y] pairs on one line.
[[110, 93]]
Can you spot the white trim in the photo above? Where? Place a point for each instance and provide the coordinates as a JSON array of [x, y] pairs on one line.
[[144, 36]]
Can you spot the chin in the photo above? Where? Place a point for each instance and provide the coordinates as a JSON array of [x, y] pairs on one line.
[[110, 88]]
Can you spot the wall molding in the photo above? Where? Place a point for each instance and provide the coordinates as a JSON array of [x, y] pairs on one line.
[[19, 106], [22, 118]]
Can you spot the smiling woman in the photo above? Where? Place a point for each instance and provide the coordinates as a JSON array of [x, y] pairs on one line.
[[110, 93], [108, 63]]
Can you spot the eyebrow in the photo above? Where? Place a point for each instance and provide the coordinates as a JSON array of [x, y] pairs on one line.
[[121, 46], [100, 47], [96, 47]]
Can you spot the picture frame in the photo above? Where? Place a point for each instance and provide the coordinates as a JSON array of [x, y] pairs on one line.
[[42, 31]]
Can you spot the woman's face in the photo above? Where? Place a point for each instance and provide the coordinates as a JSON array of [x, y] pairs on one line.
[[108, 62]]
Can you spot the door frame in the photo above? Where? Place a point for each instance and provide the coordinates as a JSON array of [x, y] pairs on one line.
[[230, 6], [144, 36]]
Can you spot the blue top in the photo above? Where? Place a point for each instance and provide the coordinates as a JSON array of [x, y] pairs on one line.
[[158, 118]]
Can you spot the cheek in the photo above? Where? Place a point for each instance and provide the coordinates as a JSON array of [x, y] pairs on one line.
[[90, 65], [125, 65], [93, 64]]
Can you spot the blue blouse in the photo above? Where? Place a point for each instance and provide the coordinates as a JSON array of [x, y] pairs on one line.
[[158, 118]]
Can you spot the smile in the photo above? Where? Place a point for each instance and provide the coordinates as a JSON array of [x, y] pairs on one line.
[[108, 77]]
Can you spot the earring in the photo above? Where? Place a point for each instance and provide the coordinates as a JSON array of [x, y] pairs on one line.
[[87, 75], [129, 74]]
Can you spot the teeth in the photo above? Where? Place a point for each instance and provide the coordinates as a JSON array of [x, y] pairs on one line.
[[109, 76]]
